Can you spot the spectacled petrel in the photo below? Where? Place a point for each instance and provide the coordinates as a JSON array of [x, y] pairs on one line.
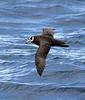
[[44, 41]]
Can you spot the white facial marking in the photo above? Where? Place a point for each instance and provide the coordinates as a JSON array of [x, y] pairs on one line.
[[31, 39]]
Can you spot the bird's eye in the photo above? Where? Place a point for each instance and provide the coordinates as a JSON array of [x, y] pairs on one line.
[[32, 38]]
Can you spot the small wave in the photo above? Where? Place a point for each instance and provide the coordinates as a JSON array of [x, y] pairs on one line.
[[16, 91], [42, 87]]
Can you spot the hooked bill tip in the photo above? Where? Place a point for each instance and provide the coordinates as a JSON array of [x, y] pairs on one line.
[[28, 41]]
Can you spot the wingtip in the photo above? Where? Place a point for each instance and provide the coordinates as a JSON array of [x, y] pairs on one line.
[[40, 71], [40, 74]]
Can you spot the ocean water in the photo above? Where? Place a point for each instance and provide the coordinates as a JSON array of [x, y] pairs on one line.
[[64, 74]]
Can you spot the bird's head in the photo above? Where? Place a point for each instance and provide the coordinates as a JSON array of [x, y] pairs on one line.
[[30, 39]]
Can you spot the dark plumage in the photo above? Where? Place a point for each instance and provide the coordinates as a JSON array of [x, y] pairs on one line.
[[44, 41]]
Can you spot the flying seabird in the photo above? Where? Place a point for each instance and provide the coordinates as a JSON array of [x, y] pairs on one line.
[[44, 41]]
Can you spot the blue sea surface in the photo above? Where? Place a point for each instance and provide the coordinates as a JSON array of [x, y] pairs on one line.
[[64, 74]]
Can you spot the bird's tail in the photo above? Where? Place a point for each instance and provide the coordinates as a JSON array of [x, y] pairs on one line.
[[59, 43], [64, 45]]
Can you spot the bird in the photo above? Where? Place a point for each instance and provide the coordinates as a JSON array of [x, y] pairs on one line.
[[45, 41]]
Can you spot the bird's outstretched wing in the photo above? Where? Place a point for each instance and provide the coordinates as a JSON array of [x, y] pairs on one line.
[[48, 32], [41, 56]]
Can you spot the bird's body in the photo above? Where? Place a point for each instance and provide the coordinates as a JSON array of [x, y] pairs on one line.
[[44, 41]]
